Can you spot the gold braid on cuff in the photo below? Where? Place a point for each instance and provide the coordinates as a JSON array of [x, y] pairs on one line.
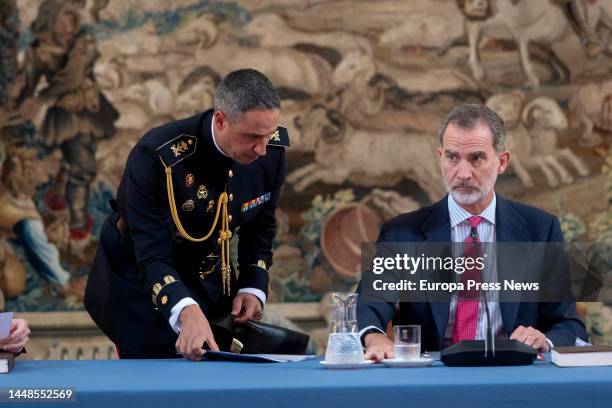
[[157, 288]]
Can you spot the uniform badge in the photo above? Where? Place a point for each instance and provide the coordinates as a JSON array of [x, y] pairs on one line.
[[203, 273], [275, 136], [256, 202], [189, 180], [211, 204], [188, 205], [202, 193], [180, 147]]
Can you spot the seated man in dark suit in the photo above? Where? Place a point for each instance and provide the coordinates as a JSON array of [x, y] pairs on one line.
[[472, 154]]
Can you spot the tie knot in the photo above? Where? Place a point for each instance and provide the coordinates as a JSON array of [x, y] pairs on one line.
[[474, 220]]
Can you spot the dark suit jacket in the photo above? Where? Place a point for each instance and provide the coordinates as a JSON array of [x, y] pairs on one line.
[[515, 222]]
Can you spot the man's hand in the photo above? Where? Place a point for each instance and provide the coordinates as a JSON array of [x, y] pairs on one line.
[[18, 338], [378, 347], [195, 331], [531, 337], [246, 307]]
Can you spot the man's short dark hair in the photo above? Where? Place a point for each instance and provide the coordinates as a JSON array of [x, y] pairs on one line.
[[469, 115], [244, 90]]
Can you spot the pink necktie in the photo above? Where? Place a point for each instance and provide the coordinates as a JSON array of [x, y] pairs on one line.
[[466, 313]]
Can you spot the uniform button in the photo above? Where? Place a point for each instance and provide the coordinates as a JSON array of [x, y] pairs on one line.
[[231, 197], [230, 173], [229, 218]]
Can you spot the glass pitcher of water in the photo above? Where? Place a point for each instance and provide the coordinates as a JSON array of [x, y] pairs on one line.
[[343, 345]]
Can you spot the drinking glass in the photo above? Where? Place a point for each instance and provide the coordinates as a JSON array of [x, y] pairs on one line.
[[407, 342]]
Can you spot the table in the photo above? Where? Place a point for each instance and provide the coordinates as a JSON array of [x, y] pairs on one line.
[[181, 383]]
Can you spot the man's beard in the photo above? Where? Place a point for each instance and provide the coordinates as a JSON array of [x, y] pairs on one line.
[[475, 195]]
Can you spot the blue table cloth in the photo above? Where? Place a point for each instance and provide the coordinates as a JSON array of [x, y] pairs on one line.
[[181, 383]]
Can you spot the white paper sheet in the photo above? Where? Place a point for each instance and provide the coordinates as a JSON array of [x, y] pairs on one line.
[[256, 358]]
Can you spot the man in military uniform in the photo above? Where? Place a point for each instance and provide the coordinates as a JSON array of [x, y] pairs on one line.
[[163, 267]]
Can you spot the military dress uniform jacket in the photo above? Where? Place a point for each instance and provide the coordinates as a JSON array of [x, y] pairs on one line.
[[144, 266]]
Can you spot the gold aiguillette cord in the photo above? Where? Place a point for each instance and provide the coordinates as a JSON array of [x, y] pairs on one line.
[[225, 235]]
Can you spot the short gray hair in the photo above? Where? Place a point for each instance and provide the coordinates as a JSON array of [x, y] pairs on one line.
[[469, 115], [244, 90]]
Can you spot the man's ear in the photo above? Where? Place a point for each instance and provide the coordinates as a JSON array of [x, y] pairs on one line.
[[504, 160], [220, 120]]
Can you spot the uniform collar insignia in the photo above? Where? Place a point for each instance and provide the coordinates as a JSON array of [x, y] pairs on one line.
[[280, 137]]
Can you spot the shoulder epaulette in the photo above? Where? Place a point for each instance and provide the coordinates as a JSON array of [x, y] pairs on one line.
[[280, 137], [177, 149]]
